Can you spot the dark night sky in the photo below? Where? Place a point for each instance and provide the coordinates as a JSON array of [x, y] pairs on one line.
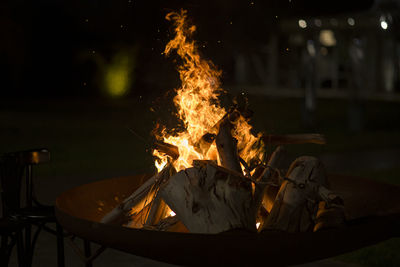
[[48, 48]]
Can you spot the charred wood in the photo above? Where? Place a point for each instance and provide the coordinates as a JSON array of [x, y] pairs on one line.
[[227, 146]]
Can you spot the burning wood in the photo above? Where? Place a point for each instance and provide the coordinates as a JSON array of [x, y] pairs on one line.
[[211, 199], [139, 200], [191, 192]]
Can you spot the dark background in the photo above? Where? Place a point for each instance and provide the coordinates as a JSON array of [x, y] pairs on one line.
[[55, 57], [53, 48]]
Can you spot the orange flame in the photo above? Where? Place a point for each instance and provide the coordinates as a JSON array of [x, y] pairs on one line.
[[197, 104]]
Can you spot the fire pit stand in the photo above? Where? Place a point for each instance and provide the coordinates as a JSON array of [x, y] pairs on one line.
[[372, 212]]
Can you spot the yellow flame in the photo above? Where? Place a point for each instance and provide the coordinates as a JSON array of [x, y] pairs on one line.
[[197, 103]]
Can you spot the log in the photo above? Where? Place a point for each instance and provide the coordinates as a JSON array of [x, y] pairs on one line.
[[227, 147], [207, 139], [268, 182], [329, 216], [208, 198], [168, 149], [168, 224], [158, 211], [203, 145], [286, 139], [297, 201], [137, 220], [135, 202]]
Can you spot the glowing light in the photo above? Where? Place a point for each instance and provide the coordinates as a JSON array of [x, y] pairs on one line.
[[384, 25], [351, 21], [172, 214], [258, 225], [327, 38], [302, 23], [118, 75]]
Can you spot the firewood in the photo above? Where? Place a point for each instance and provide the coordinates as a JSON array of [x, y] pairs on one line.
[[170, 224], [227, 146], [158, 211], [207, 139], [286, 139], [329, 216], [135, 202], [268, 182], [203, 145], [137, 220], [208, 198], [298, 197], [168, 149]]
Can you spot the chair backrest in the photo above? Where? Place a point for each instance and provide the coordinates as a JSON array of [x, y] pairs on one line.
[[11, 172], [13, 166]]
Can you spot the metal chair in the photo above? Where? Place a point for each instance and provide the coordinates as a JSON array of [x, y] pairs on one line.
[[14, 166]]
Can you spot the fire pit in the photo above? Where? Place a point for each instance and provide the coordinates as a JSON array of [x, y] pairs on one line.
[[372, 210]]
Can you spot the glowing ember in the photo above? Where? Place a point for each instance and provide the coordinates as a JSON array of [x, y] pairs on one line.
[[198, 105]]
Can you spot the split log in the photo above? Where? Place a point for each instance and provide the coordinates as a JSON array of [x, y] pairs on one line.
[[137, 220], [207, 139], [329, 216], [227, 147], [168, 149], [286, 139], [269, 174], [297, 200], [205, 142], [135, 202], [169, 224], [158, 211], [268, 182], [208, 198]]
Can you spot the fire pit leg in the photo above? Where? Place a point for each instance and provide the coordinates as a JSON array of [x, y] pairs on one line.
[[88, 251], [87, 257]]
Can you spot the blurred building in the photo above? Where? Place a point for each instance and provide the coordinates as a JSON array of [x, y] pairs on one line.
[[354, 55]]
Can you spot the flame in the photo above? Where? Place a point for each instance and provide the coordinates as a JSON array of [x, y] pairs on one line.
[[197, 104]]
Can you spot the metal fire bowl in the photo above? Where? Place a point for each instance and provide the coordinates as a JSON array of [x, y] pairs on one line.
[[372, 210]]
